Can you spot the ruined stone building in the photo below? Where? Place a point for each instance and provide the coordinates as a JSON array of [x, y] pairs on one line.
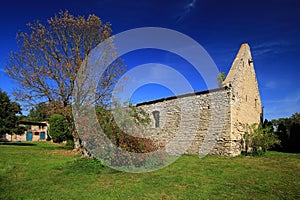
[[213, 121]]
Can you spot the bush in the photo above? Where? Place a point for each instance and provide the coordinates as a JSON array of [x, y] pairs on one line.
[[128, 143], [58, 130], [70, 144], [259, 139]]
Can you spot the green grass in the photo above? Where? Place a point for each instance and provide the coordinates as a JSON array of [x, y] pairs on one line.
[[47, 171]]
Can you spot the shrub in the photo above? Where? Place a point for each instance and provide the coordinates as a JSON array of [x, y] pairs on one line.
[[136, 144], [259, 139], [58, 130], [70, 144]]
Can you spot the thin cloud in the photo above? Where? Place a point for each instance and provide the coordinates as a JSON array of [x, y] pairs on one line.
[[187, 9], [2, 71], [281, 110], [152, 73], [271, 85], [271, 48], [285, 107]]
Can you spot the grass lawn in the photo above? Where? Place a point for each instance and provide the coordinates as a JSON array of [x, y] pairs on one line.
[[47, 171]]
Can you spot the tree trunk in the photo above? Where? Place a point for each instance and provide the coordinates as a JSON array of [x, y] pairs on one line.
[[85, 153], [77, 145]]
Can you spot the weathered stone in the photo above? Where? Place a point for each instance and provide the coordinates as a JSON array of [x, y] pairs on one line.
[[210, 121]]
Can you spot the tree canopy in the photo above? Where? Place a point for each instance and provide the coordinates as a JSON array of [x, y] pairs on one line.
[[288, 131], [49, 56], [9, 120], [221, 77], [39, 112]]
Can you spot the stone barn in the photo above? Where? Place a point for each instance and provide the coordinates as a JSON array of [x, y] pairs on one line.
[[213, 121]]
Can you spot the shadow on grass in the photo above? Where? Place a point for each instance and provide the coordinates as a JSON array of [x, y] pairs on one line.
[[17, 143], [54, 147], [38, 145]]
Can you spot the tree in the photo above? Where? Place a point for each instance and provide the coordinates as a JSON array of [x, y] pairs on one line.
[[294, 140], [295, 118], [282, 132], [59, 130], [49, 57], [288, 131], [221, 77], [9, 119], [39, 112]]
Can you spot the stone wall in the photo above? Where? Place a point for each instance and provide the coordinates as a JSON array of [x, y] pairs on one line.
[[200, 121], [209, 122]]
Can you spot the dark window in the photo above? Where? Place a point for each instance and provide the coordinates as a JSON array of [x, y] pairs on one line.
[[36, 133], [250, 61], [156, 118]]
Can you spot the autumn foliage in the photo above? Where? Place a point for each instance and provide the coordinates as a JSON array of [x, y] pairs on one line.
[[121, 148], [49, 56]]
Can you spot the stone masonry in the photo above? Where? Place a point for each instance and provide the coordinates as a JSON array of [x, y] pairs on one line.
[[209, 122]]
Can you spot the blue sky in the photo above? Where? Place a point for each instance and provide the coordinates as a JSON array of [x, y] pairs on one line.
[[271, 27]]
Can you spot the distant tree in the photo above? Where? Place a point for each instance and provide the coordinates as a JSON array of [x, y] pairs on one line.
[[282, 134], [39, 112], [9, 119], [288, 131], [58, 129], [49, 57], [295, 118], [268, 123], [221, 77], [294, 140]]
